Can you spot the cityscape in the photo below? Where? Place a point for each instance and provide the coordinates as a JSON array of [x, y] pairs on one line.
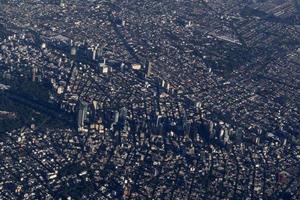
[[140, 99]]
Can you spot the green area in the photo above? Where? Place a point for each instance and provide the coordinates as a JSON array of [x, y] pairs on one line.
[[75, 190], [22, 98]]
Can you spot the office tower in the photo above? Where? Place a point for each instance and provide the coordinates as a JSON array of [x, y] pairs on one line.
[[95, 53], [122, 66], [94, 50], [123, 113], [158, 120], [43, 46], [116, 117], [149, 68], [100, 50], [62, 3], [136, 66], [163, 83], [225, 138], [211, 129], [34, 71], [82, 114], [73, 53], [103, 67], [189, 24], [198, 105]]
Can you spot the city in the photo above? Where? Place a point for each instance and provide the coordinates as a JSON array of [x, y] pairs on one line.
[[150, 100]]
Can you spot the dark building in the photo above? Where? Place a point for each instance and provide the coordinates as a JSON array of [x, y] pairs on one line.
[[82, 115]]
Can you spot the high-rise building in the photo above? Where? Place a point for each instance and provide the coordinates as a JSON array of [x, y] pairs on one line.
[[149, 69], [82, 114], [103, 67], [34, 71], [94, 50], [116, 117], [123, 113], [73, 51], [211, 129], [62, 3]]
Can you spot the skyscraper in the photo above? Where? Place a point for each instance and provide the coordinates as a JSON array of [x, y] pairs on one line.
[[62, 3], [82, 114], [149, 69]]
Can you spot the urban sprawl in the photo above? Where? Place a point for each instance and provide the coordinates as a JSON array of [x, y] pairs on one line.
[[160, 99]]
